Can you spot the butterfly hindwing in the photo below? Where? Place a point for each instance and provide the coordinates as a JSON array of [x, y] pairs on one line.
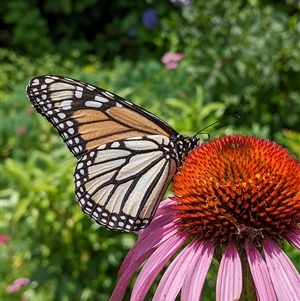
[[120, 184]]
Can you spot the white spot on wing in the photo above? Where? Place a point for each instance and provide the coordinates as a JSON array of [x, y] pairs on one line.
[[49, 80], [101, 99], [35, 82], [115, 144], [78, 94], [93, 104], [66, 104], [110, 95], [61, 115], [90, 87], [95, 214]]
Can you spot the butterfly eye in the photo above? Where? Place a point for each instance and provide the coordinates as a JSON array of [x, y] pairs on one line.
[[127, 156]]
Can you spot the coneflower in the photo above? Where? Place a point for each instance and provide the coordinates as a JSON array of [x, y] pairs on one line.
[[236, 199]]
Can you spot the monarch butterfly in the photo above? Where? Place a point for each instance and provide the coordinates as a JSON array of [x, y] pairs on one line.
[[127, 156]]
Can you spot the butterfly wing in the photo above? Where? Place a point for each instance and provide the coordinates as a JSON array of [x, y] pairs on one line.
[[86, 116], [120, 184]]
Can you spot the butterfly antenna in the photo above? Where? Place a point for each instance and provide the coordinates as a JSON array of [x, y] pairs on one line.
[[222, 119]]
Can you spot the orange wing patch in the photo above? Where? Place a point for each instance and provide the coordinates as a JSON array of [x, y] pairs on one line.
[[136, 121], [97, 128]]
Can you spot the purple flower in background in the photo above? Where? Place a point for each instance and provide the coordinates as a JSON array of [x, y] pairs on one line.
[[30, 111], [4, 239], [21, 131], [180, 3], [170, 59], [17, 284], [149, 18]]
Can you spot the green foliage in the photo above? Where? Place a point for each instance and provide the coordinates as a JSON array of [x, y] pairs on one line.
[[21, 18], [63, 252], [239, 57], [106, 28], [247, 58]]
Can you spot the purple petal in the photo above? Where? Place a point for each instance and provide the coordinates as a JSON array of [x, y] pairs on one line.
[[159, 231], [164, 211], [162, 217], [4, 239], [171, 65], [229, 280], [22, 281], [126, 276], [284, 276], [149, 18], [12, 288], [167, 57], [195, 278], [293, 235], [17, 284], [154, 265], [172, 280], [149, 240], [180, 3], [171, 57], [178, 56], [262, 281], [165, 205]]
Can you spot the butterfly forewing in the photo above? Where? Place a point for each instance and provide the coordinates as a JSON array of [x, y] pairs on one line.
[[86, 116], [126, 156]]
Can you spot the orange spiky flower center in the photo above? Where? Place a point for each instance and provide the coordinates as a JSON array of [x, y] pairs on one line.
[[238, 188]]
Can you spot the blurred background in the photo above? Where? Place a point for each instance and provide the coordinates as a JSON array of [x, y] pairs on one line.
[[191, 62]]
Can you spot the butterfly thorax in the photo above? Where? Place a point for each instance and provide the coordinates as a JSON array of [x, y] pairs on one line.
[[181, 145]]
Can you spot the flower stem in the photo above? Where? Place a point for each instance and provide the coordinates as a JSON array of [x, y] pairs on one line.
[[248, 291]]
